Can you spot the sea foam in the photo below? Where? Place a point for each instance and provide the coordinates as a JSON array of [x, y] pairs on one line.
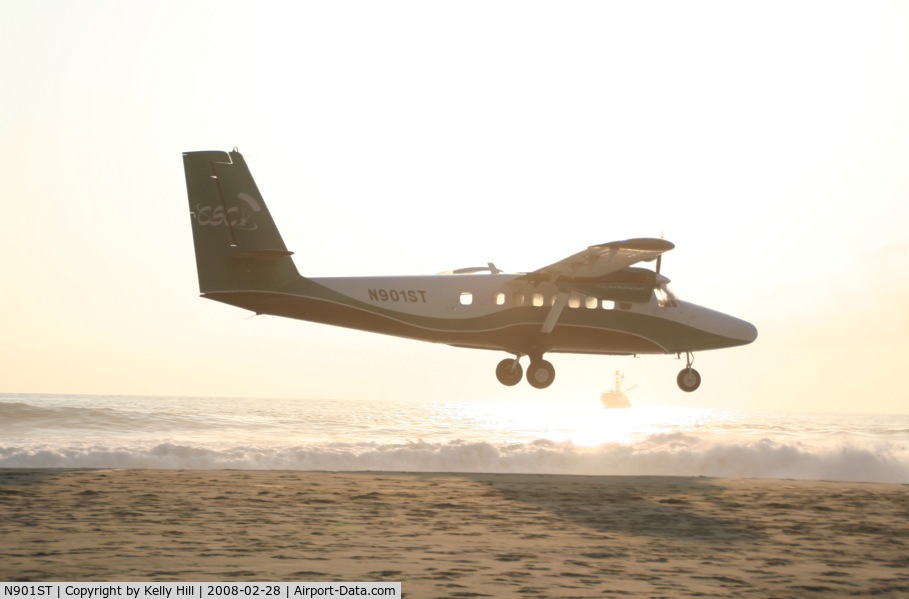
[[666, 455], [559, 438]]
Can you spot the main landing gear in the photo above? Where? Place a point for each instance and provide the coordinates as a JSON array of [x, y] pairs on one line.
[[540, 373], [689, 379], [509, 372]]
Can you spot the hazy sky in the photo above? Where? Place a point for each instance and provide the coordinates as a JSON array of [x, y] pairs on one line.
[[768, 140]]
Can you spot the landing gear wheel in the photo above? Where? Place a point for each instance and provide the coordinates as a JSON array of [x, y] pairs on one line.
[[540, 374], [509, 372], [689, 379]]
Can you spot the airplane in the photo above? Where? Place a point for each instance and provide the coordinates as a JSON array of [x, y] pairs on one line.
[[592, 302]]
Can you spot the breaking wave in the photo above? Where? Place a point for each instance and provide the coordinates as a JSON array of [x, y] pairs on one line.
[[673, 454], [533, 438]]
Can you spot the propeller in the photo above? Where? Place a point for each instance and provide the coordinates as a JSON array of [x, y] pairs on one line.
[[659, 260]]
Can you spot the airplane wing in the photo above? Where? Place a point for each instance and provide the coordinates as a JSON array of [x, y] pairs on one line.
[[600, 260]]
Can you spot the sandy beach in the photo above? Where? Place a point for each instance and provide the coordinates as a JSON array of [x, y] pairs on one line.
[[459, 535]]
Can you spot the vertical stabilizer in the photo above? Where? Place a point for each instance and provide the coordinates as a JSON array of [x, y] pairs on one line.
[[238, 246]]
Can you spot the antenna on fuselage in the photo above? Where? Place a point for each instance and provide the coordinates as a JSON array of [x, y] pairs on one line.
[[490, 268]]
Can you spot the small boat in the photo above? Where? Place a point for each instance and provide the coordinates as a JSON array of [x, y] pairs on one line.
[[615, 397]]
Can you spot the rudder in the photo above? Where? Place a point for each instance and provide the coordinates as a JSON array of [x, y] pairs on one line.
[[238, 246]]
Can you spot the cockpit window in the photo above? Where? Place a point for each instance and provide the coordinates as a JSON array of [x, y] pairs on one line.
[[665, 297]]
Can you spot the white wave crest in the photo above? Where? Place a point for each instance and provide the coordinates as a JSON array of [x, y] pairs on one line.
[[673, 454]]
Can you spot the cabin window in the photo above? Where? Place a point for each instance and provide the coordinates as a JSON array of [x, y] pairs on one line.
[[574, 301], [499, 298], [518, 299], [466, 298], [538, 299], [591, 303], [624, 305], [608, 305]]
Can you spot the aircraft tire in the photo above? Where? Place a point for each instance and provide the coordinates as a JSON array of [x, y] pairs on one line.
[[689, 379], [509, 372], [540, 374]]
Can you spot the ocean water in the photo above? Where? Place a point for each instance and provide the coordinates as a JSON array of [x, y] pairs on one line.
[[59, 431]]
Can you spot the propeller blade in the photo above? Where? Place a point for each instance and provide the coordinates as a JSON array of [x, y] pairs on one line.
[[660, 257]]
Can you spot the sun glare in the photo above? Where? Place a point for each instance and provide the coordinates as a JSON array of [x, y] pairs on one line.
[[585, 424]]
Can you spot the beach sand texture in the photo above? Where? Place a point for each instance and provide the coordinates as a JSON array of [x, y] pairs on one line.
[[460, 535]]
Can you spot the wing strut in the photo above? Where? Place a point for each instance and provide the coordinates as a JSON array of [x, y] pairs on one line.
[[555, 312]]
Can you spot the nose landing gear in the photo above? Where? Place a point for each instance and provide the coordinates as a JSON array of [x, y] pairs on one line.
[[689, 379]]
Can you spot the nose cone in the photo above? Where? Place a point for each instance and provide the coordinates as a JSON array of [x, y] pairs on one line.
[[722, 329], [741, 329]]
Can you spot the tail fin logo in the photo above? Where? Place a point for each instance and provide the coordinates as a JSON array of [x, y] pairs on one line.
[[236, 217]]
